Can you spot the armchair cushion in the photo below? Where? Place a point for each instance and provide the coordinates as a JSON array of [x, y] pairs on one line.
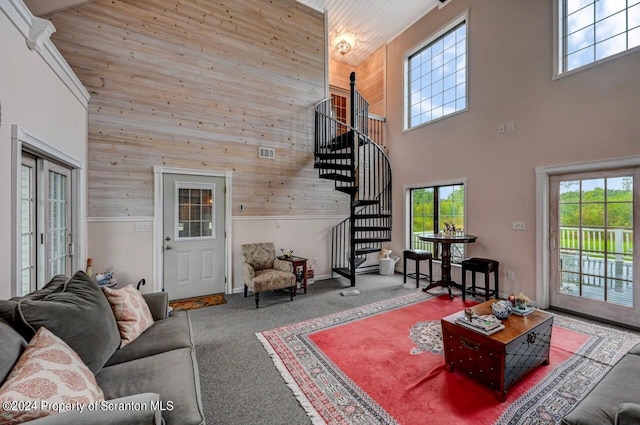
[[260, 256], [267, 280]]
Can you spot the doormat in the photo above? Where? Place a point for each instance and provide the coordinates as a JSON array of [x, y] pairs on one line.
[[197, 302]]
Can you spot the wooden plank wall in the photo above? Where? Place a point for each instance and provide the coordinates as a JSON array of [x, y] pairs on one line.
[[201, 85]]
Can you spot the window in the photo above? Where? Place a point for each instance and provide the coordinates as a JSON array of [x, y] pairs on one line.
[[194, 203], [437, 75], [432, 207], [592, 30]]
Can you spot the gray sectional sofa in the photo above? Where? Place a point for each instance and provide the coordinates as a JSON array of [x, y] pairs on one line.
[[157, 373], [615, 399]]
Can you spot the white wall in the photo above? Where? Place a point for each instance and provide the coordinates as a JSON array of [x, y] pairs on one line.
[[34, 97], [115, 242], [587, 116]]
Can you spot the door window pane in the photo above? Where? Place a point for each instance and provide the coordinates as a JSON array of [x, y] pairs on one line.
[[195, 211], [596, 239]]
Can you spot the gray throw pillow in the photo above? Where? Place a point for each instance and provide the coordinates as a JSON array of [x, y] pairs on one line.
[[80, 315], [11, 349], [9, 309]]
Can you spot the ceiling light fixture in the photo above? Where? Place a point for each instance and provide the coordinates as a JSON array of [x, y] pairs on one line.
[[343, 47]]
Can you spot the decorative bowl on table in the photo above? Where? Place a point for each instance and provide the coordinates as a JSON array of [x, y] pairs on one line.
[[501, 309]]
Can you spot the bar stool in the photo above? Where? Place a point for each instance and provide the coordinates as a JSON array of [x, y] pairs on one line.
[[417, 255], [480, 265]]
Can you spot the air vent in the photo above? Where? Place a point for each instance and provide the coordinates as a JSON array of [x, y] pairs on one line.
[[268, 153]]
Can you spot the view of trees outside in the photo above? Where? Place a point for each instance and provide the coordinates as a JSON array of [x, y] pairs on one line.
[[450, 209], [596, 238]]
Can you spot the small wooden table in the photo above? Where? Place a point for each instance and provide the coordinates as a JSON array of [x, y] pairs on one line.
[[501, 359], [446, 241], [297, 262]]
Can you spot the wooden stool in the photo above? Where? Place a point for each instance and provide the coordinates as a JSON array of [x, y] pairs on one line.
[[417, 255], [480, 265]]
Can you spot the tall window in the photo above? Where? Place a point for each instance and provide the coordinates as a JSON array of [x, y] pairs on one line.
[[437, 76], [432, 207], [592, 30]]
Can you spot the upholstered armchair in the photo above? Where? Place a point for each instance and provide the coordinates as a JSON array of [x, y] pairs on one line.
[[264, 272]]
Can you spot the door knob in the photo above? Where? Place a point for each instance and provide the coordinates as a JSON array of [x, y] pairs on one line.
[[168, 238], [167, 247]]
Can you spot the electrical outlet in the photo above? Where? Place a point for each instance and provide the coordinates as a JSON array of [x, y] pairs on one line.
[[315, 261], [278, 224], [510, 126], [143, 227], [501, 129], [510, 275], [519, 225]]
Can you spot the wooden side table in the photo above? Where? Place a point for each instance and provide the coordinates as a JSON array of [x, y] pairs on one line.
[[297, 262]]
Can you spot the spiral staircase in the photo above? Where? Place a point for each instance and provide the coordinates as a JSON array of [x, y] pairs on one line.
[[361, 169]]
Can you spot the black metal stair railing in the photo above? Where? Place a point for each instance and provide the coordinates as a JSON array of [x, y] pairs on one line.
[[361, 168]]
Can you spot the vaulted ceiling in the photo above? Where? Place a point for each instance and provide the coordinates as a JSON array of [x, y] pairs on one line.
[[365, 24]]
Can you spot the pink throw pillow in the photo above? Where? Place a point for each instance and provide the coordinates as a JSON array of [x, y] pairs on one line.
[[131, 312], [47, 375]]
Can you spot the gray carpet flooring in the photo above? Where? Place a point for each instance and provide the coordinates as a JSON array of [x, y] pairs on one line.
[[239, 383]]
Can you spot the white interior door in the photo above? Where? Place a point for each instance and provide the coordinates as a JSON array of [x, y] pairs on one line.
[[194, 235]]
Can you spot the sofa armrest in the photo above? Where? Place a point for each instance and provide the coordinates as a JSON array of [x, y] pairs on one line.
[[628, 414], [138, 409], [158, 304]]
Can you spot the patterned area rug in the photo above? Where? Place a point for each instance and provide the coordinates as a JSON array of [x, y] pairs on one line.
[[383, 364], [198, 302]]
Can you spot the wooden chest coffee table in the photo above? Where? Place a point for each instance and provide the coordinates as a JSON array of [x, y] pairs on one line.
[[501, 359]]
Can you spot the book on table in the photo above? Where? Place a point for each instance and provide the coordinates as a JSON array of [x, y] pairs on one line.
[[485, 323], [522, 311], [467, 324]]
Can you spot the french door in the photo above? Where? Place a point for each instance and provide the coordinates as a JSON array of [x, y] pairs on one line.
[[593, 231], [46, 237]]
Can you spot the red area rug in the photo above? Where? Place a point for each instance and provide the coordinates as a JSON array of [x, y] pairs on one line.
[[383, 364]]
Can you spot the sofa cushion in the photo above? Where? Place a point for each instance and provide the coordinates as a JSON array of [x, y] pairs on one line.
[[131, 312], [80, 315], [9, 311], [48, 371], [146, 412], [165, 335], [601, 404], [173, 375], [628, 414], [11, 347]]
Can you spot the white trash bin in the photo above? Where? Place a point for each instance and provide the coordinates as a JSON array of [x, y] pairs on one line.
[[387, 265]]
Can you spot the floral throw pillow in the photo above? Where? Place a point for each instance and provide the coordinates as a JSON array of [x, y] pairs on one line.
[[131, 312], [49, 377]]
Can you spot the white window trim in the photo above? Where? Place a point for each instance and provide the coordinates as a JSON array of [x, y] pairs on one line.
[[187, 185], [158, 218], [557, 60], [21, 141], [542, 213], [463, 17]]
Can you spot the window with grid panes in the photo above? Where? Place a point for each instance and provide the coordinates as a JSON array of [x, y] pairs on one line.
[[593, 30], [437, 76]]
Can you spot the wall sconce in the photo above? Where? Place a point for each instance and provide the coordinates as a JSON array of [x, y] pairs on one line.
[[343, 47]]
